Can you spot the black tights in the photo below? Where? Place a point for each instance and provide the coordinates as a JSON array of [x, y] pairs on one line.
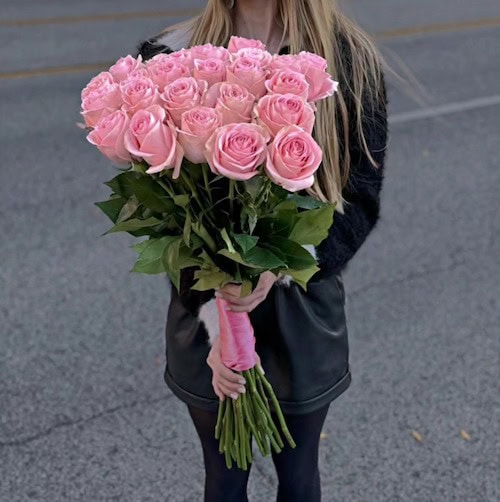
[[297, 468]]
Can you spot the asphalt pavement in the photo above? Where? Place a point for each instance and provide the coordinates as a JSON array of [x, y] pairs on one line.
[[84, 412]]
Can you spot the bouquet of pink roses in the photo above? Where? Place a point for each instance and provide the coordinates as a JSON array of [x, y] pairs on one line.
[[216, 143]]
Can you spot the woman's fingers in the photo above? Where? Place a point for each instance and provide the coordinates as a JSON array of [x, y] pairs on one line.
[[230, 390], [244, 300], [217, 391], [226, 385], [229, 375]]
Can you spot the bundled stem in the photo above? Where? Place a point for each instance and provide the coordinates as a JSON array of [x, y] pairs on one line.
[[240, 421]]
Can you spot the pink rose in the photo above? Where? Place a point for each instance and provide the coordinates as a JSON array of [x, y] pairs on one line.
[[263, 57], [248, 73], [108, 136], [183, 57], [275, 111], [234, 102], [163, 70], [140, 72], [181, 95], [98, 81], [100, 98], [321, 84], [288, 82], [211, 70], [237, 43], [138, 93], [286, 62], [124, 66], [153, 138], [197, 125], [237, 150], [293, 158], [209, 51]]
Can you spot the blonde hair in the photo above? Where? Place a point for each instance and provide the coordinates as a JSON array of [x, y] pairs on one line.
[[352, 59]]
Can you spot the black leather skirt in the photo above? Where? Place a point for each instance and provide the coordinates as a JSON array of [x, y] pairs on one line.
[[301, 338]]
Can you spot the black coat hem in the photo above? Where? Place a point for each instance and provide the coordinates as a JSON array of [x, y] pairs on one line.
[[288, 407]]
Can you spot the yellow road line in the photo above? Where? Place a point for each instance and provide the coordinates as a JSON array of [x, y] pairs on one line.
[[384, 35], [121, 16], [438, 28], [57, 70]]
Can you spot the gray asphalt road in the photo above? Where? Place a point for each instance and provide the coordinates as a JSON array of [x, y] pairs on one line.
[[84, 413]]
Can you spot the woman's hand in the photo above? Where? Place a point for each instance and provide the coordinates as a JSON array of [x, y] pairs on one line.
[[225, 381], [231, 293]]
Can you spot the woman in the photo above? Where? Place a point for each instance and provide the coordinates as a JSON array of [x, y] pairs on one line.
[[301, 337]]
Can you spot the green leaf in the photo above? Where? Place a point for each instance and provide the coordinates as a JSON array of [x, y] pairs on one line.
[[210, 279], [187, 259], [186, 233], [112, 207], [263, 258], [245, 242], [128, 209], [133, 224], [246, 288], [285, 222], [151, 255], [147, 190], [305, 201], [181, 200], [301, 277], [171, 261], [295, 256], [196, 242], [202, 232], [312, 225], [227, 240], [257, 258], [286, 205], [254, 186], [234, 256]]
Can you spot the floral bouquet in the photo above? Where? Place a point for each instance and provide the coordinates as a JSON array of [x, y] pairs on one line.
[[217, 144]]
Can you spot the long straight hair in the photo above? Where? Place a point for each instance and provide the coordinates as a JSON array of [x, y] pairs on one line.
[[352, 58]]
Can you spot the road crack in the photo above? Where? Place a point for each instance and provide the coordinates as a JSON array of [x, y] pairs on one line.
[[70, 423]]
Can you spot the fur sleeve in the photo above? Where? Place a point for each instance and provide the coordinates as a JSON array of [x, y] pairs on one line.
[[150, 48]]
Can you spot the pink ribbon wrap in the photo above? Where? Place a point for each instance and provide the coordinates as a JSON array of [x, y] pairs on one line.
[[237, 339]]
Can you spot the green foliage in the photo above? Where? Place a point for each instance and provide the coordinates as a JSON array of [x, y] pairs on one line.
[[245, 242], [146, 189], [189, 227], [133, 224], [112, 207], [294, 255], [151, 255], [312, 226], [210, 279]]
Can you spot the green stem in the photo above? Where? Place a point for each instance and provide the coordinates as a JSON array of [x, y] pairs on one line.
[[264, 192], [241, 434], [165, 187], [220, 415], [231, 197], [236, 435], [277, 408], [194, 191], [199, 229], [204, 170], [251, 419]]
